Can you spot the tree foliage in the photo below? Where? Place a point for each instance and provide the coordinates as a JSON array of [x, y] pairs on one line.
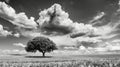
[[41, 44]]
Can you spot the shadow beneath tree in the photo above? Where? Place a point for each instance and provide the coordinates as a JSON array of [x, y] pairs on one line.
[[38, 57]]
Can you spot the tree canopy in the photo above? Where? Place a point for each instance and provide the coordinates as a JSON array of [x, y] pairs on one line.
[[41, 44]]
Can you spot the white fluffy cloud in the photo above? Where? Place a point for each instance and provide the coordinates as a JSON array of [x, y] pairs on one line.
[[4, 32], [57, 20], [63, 40], [19, 44], [20, 19], [96, 35], [16, 35], [107, 46], [104, 30], [116, 41], [56, 15], [30, 33], [82, 47], [55, 24], [112, 46], [54, 19], [83, 28]]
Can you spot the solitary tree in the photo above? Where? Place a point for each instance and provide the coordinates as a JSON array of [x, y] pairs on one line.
[[41, 44]]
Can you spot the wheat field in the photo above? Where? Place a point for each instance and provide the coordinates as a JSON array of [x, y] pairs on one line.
[[60, 61]]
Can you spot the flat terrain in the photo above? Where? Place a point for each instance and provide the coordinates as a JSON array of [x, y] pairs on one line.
[[25, 57], [24, 60]]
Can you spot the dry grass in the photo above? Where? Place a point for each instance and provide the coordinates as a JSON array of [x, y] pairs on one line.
[[60, 61]]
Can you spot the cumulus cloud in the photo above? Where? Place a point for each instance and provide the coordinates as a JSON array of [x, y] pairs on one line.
[[56, 20], [82, 28], [63, 40], [55, 24], [30, 33], [116, 40], [106, 47], [20, 19], [4, 32], [87, 42], [16, 35], [113, 46], [98, 31], [82, 47], [19, 45], [95, 36]]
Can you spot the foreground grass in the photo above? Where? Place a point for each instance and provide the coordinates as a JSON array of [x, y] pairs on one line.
[[61, 61]]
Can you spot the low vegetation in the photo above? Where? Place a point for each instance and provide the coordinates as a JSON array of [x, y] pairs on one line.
[[61, 62]]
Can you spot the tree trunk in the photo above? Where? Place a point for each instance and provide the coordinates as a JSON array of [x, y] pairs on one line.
[[43, 54]]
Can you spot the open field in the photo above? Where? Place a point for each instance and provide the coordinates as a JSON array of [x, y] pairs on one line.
[[17, 60]]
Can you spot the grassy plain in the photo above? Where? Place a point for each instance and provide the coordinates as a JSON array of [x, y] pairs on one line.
[[25, 60]]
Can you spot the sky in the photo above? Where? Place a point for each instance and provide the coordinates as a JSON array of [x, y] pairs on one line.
[[83, 25]]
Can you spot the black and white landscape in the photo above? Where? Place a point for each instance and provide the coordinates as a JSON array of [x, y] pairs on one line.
[[59, 33]]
